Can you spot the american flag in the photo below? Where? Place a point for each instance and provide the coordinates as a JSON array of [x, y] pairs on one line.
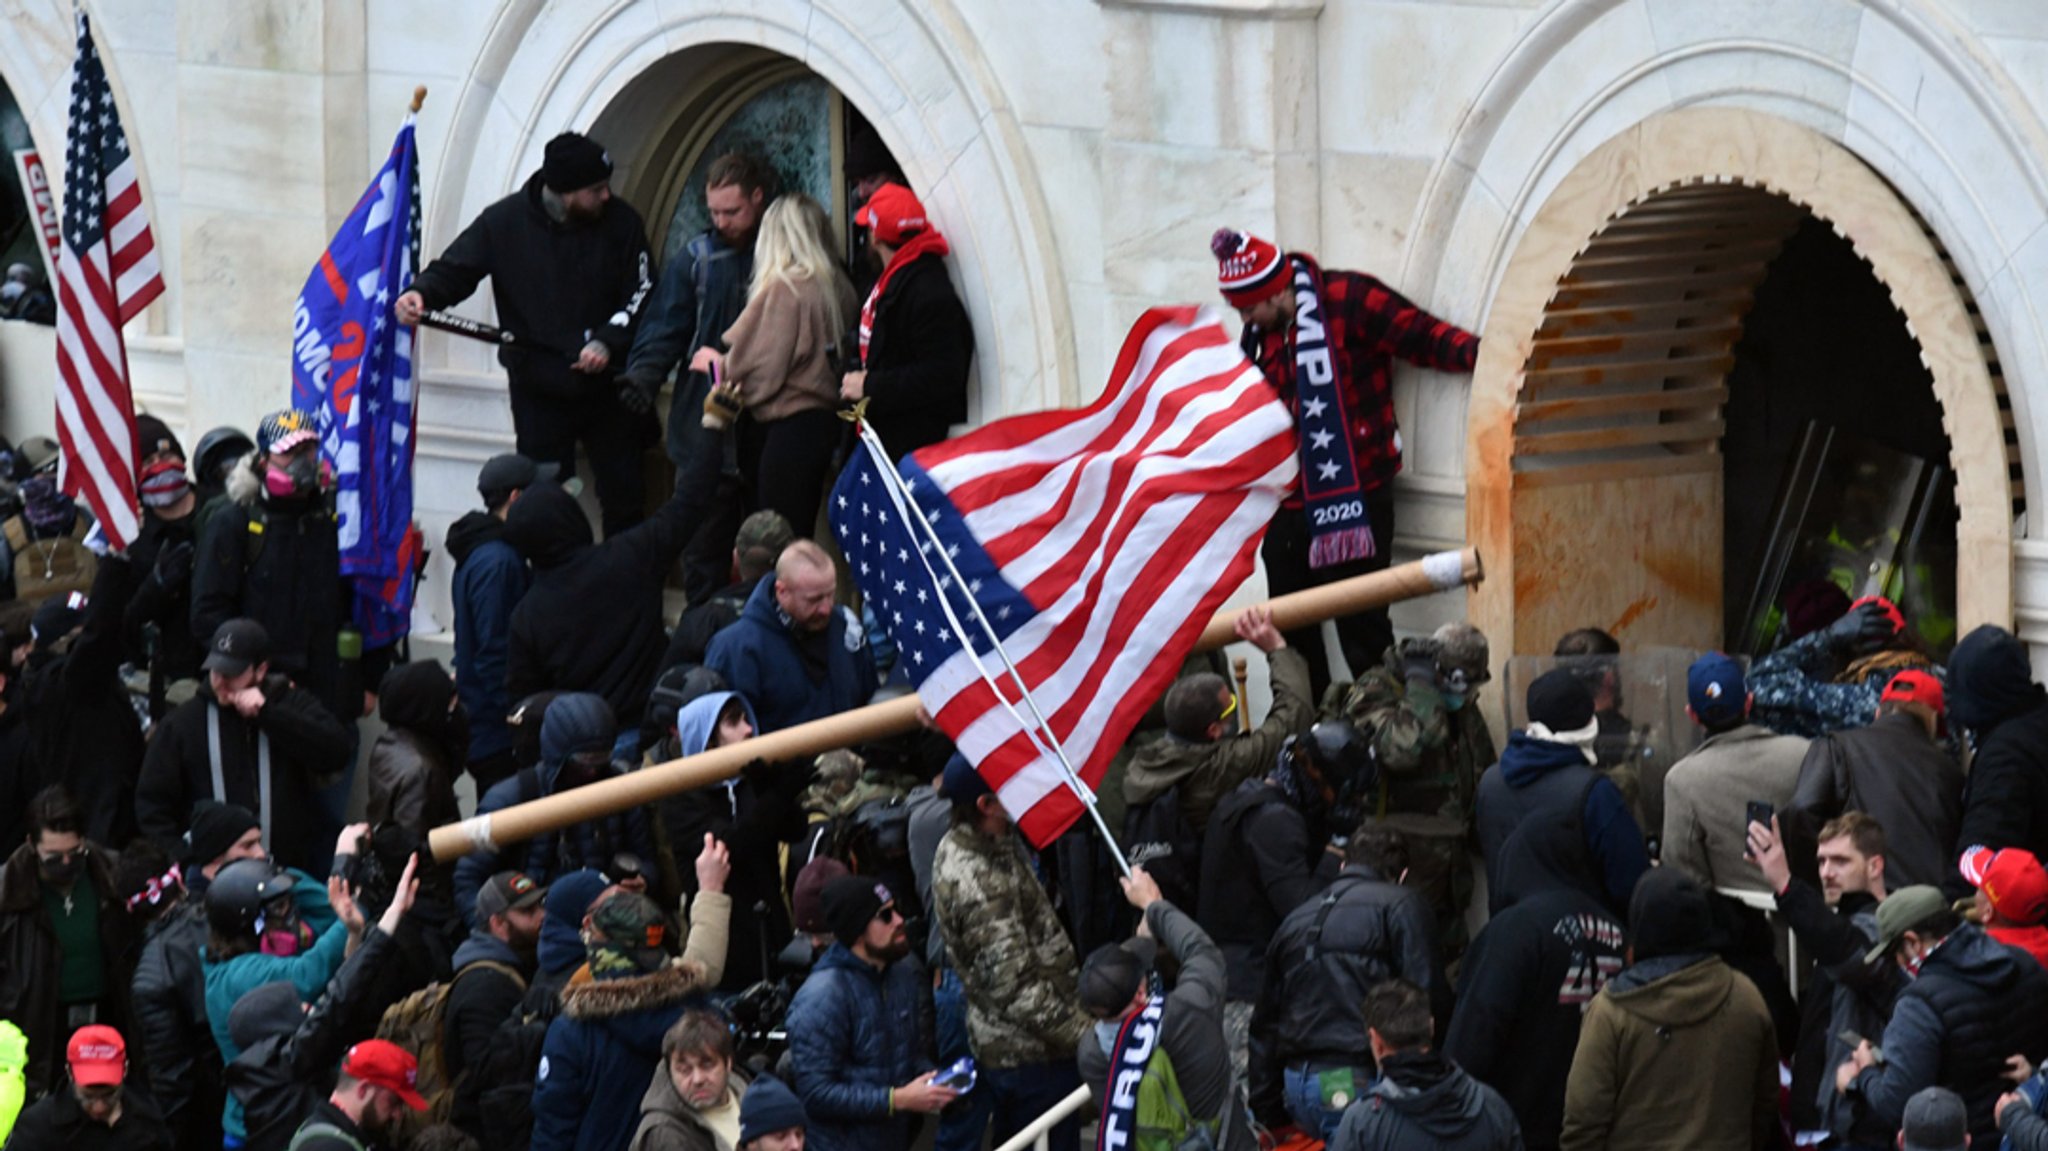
[[107, 272], [1095, 542]]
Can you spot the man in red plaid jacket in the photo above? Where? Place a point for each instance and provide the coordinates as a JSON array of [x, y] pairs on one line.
[[1327, 340]]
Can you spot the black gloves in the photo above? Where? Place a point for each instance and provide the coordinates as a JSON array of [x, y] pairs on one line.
[[1867, 628], [636, 395]]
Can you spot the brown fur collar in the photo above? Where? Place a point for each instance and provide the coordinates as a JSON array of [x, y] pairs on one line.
[[611, 998]]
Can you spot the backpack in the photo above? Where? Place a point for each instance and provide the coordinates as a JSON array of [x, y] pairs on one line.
[[1159, 837], [1163, 1121], [46, 569], [511, 1070], [419, 1023]]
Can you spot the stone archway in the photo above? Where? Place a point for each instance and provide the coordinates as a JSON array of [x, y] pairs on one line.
[[1712, 150], [908, 65]]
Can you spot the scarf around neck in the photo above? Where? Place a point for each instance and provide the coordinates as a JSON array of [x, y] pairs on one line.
[[1339, 529], [927, 241]]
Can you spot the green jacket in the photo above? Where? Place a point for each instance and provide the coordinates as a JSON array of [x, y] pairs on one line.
[[1206, 772], [1011, 953]]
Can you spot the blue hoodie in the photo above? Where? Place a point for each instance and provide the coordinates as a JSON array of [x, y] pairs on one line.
[[561, 933], [697, 722], [1613, 839], [793, 678]]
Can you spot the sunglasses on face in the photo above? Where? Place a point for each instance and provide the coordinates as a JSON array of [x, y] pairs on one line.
[[889, 914]]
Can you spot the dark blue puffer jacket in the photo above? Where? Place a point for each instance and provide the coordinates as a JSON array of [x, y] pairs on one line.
[[599, 1054], [792, 679], [855, 1033]]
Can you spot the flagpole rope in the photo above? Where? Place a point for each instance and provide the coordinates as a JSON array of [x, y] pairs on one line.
[[899, 494]]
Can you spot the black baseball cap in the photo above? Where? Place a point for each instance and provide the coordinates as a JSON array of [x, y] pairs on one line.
[[507, 891], [237, 646], [512, 472]]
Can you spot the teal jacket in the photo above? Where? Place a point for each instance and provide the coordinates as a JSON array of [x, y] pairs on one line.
[[308, 971]]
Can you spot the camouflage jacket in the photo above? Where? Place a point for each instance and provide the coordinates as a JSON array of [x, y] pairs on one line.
[[1430, 758], [1012, 955], [1802, 688]]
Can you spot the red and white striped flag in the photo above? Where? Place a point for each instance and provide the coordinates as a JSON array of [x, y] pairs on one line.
[[1096, 542], [107, 272]]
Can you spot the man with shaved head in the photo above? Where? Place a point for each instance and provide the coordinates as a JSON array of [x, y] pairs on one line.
[[794, 653]]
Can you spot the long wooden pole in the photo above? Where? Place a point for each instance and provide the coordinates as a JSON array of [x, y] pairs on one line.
[[1440, 572]]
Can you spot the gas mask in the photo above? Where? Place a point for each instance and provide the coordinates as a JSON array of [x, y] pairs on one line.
[[301, 478], [280, 932]]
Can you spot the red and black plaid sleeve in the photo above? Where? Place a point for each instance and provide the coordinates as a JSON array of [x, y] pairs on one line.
[[1376, 320]]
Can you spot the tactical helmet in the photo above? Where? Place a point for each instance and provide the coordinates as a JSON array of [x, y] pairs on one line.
[[1340, 753], [217, 451], [236, 897]]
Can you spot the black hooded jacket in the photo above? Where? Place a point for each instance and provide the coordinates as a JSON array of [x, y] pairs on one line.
[[1523, 990], [1263, 859], [1992, 693], [1424, 1100], [289, 1056], [80, 723], [174, 1041], [592, 620]]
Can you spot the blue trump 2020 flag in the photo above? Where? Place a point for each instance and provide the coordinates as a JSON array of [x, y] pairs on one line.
[[352, 368]]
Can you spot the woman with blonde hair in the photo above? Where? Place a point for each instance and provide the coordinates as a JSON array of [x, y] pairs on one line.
[[799, 306]]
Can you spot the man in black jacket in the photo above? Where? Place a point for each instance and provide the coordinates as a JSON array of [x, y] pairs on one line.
[[1836, 926], [176, 1041], [65, 956], [915, 339], [1421, 1098], [1308, 1034], [272, 554], [252, 738], [1972, 1002], [1268, 852], [569, 270], [1992, 696], [81, 724], [490, 579], [96, 1111], [157, 621], [491, 970], [375, 1088], [1897, 772], [592, 619]]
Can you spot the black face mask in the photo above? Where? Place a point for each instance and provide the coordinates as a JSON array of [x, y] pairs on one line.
[[62, 870]]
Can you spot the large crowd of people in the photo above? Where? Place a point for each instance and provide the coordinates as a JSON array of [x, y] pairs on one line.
[[200, 950]]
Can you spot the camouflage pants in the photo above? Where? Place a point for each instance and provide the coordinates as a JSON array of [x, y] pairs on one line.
[[1237, 1032], [1440, 868]]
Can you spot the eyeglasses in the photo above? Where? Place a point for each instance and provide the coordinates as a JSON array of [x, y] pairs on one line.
[[889, 914], [76, 853], [1459, 679], [1229, 708]]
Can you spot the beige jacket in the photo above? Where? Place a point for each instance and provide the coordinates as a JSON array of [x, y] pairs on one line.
[[778, 348]]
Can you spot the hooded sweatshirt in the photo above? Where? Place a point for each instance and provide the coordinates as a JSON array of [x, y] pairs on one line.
[[414, 763], [1676, 1053], [752, 814], [1424, 1100], [490, 580], [1552, 781], [592, 619], [575, 723], [1992, 694]]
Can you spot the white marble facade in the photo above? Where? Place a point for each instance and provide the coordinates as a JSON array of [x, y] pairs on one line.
[[1077, 152]]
